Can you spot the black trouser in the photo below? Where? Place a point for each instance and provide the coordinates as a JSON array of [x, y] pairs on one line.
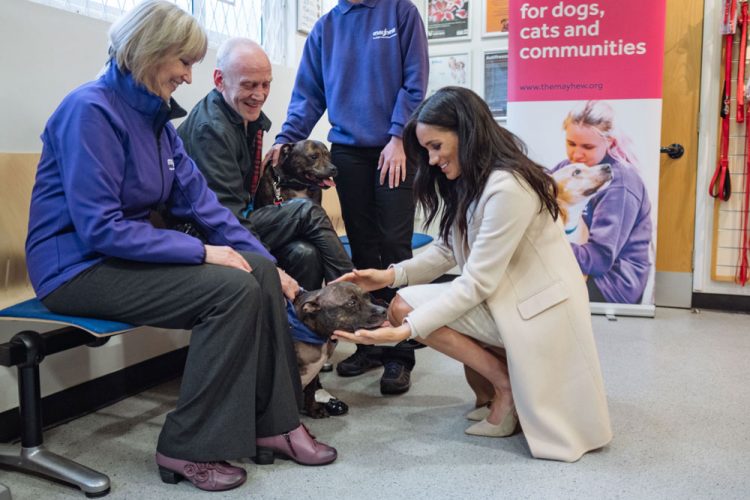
[[379, 222], [300, 235], [240, 380]]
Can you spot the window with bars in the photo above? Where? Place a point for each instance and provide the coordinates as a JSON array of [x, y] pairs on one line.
[[221, 19]]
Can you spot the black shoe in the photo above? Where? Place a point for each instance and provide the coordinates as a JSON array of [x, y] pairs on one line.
[[396, 378], [335, 407], [357, 364]]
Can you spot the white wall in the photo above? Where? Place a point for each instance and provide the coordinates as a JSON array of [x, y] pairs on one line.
[[44, 54], [708, 138]]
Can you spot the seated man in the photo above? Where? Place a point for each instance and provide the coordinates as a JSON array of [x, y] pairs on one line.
[[224, 135]]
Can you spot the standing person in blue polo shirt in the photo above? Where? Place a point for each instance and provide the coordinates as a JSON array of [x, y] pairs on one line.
[[366, 62]]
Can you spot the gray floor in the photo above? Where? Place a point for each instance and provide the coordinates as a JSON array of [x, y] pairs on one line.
[[679, 395]]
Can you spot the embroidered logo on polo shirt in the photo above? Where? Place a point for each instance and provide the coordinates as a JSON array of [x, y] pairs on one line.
[[384, 33]]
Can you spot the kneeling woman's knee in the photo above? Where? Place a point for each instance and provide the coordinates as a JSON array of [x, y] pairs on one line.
[[398, 309]]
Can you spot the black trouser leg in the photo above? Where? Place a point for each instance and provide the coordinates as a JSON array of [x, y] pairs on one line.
[[301, 219], [302, 261], [240, 379], [379, 220]]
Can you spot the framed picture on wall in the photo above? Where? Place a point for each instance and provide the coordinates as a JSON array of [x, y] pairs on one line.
[[450, 69], [308, 12], [447, 20], [495, 18], [496, 82]]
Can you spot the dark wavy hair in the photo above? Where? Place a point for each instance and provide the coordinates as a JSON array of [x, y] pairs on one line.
[[483, 146]]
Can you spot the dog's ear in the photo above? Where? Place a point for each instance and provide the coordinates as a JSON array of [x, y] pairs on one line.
[[311, 307], [284, 152]]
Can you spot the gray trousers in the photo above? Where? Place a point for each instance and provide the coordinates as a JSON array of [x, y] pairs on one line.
[[240, 380]]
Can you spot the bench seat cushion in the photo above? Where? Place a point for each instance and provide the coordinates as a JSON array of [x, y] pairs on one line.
[[34, 310], [418, 240]]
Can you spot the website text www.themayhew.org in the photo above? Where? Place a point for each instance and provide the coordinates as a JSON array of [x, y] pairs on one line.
[[567, 87]]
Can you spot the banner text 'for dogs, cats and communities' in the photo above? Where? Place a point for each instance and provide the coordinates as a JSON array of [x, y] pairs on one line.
[[585, 88]]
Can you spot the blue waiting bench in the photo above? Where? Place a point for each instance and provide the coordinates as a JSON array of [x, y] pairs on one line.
[[418, 240], [26, 350]]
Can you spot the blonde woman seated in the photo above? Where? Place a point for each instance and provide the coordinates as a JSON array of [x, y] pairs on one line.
[[518, 314]]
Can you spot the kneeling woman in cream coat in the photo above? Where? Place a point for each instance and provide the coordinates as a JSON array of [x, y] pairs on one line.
[[520, 290]]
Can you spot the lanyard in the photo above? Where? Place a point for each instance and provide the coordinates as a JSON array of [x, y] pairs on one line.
[[721, 186]]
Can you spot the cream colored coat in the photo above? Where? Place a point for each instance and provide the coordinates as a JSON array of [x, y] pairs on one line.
[[520, 263]]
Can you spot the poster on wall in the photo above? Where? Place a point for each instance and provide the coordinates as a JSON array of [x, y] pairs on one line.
[[585, 84], [308, 12], [447, 20], [496, 82], [494, 18], [451, 69]]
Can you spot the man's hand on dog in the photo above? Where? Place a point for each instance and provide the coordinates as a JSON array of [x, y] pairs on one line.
[[369, 279], [392, 162], [273, 155], [383, 335], [289, 285], [225, 256]]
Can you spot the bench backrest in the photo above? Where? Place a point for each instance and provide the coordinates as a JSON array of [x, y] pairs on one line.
[[17, 172]]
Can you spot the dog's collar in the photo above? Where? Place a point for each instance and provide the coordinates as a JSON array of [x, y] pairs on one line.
[[297, 184], [280, 181], [572, 230], [276, 181]]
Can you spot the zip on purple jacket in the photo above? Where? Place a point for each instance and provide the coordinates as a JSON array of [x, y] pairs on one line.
[[110, 157]]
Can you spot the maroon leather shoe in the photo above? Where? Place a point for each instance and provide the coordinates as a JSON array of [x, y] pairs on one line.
[[298, 445], [209, 476]]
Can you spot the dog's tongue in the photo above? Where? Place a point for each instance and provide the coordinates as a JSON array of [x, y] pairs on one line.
[[328, 182]]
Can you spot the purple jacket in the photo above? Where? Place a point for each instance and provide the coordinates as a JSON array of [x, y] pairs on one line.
[[617, 254], [110, 156], [367, 63]]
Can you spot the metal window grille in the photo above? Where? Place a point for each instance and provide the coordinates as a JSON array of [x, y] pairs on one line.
[[221, 19]]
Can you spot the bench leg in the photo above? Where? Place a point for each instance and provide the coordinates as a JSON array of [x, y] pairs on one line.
[[4, 492], [47, 463], [33, 456]]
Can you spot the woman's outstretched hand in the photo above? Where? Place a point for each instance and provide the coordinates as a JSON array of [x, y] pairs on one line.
[[384, 335], [369, 279], [225, 256]]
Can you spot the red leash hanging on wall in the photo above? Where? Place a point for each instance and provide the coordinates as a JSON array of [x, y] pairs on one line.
[[742, 266], [721, 186]]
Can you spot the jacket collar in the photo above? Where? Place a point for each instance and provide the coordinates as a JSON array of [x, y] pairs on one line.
[[216, 99], [345, 6], [140, 98]]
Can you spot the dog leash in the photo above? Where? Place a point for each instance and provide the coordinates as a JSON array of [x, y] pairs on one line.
[[743, 264], [741, 66], [720, 186]]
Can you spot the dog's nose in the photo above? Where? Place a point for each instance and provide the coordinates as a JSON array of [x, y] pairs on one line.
[[607, 168]]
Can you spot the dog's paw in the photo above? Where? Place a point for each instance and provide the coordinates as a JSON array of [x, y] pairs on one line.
[[316, 410]]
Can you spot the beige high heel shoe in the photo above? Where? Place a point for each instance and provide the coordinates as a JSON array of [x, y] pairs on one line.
[[506, 427], [479, 413]]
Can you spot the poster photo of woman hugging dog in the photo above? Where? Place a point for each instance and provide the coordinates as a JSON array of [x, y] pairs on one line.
[[607, 189]]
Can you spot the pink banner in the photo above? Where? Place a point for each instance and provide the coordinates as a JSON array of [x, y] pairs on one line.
[[571, 50]]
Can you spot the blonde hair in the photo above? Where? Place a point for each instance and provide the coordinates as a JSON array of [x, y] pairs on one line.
[[600, 116], [143, 37]]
